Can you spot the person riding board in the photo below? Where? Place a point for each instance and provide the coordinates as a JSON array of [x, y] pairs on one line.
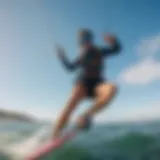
[[90, 82]]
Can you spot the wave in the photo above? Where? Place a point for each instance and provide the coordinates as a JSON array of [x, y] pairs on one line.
[[132, 146], [100, 144]]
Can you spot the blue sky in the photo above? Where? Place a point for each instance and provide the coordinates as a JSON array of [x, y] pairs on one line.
[[34, 81]]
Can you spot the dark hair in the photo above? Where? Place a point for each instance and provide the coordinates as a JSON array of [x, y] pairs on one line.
[[85, 34]]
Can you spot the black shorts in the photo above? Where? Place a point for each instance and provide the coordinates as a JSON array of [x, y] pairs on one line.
[[90, 84]]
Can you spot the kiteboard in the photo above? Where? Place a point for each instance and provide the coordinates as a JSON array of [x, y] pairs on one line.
[[51, 145]]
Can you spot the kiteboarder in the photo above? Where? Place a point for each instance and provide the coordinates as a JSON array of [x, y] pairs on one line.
[[90, 81]]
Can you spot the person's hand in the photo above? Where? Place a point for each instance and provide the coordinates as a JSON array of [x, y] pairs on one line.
[[60, 52], [110, 39]]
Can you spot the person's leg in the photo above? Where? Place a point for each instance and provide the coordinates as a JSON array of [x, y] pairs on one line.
[[104, 93], [78, 94]]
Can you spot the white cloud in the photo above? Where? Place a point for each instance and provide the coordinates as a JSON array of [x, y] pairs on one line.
[[147, 70], [144, 72], [150, 46]]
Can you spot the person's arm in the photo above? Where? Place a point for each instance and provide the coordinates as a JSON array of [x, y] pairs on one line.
[[66, 63], [70, 65], [115, 46]]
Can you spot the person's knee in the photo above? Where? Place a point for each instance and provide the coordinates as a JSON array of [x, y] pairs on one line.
[[109, 89], [113, 88], [109, 93]]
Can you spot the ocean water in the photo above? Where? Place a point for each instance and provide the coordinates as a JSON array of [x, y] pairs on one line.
[[128, 141]]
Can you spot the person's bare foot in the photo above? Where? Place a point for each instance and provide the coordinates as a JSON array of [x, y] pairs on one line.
[[83, 122]]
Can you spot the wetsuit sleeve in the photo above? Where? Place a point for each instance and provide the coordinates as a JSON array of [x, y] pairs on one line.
[[70, 65], [112, 50]]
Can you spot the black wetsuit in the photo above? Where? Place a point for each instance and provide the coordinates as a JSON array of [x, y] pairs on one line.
[[91, 65]]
